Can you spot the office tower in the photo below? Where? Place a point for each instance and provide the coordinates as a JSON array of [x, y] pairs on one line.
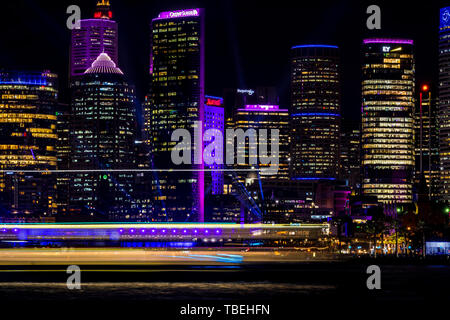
[[176, 101], [103, 132], [214, 119], [262, 117], [350, 154], [63, 151], [94, 36], [388, 119], [426, 130], [444, 101], [28, 102], [315, 112]]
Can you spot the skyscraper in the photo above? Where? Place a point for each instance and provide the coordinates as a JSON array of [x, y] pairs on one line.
[[350, 154], [92, 38], [388, 119], [263, 117], [214, 119], [176, 101], [426, 128], [28, 102], [315, 112], [103, 132], [63, 151], [444, 101]]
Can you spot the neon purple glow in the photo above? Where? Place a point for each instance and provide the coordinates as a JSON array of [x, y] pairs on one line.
[[178, 14], [87, 43], [263, 108], [382, 40]]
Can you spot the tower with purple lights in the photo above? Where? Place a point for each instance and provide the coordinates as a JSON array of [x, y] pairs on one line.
[[176, 101], [94, 36]]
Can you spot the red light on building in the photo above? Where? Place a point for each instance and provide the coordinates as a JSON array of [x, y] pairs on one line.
[[213, 102], [425, 87], [110, 14], [97, 14]]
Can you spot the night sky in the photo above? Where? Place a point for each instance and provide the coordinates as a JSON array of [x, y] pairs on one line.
[[247, 42]]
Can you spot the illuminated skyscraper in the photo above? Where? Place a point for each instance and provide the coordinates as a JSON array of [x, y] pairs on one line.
[[176, 101], [263, 117], [444, 101], [214, 119], [426, 128], [28, 102], [63, 151], [102, 138], [315, 112], [388, 119], [92, 38]]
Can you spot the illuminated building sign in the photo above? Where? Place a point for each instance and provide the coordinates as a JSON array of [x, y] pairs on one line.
[[99, 14], [213, 101], [444, 17], [179, 14], [250, 92]]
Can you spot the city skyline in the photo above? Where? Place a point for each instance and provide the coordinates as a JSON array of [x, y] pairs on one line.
[[316, 26], [178, 156]]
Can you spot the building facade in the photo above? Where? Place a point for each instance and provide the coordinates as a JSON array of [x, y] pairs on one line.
[[257, 117], [388, 119], [103, 132], [28, 103], [444, 101], [426, 129], [93, 37], [63, 150], [350, 154], [214, 119], [315, 112], [176, 101]]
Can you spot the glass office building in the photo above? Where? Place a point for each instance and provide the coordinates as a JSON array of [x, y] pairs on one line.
[[103, 131], [388, 119], [444, 101], [28, 102], [315, 112], [176, 101]]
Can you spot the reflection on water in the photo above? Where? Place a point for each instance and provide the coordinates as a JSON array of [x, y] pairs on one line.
[[159, 290]]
